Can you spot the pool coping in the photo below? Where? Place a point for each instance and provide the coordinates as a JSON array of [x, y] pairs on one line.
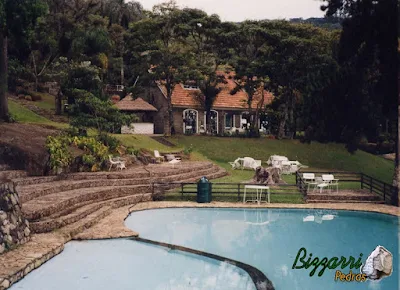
[[46, 246]]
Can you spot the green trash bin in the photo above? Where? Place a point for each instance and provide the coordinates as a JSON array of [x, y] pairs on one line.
[[203, 190]]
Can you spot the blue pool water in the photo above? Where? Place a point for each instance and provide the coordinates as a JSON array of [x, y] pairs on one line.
[[269, 239], [123, 264]]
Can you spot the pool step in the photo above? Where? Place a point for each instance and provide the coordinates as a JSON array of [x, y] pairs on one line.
[[55, 222]]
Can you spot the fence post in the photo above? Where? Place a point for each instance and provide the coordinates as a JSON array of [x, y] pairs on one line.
[[296, 177], [238, 191], [370, 184], [152, 188], [362, 180], [181, 191]]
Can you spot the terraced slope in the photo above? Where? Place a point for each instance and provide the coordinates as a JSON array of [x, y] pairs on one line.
[[74, 202]]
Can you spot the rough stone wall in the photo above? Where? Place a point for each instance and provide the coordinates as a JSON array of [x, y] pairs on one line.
[[14, 228]]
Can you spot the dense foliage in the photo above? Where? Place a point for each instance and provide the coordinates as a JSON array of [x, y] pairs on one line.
[[332, 78]]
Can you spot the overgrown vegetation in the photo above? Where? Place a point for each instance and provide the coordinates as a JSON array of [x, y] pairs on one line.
[[81, 152]]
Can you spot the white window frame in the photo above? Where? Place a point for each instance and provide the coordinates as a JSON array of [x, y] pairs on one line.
[[190, 87], [197, 120], [205, 120]]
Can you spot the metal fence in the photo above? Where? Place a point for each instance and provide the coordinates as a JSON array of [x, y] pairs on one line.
[[223, 190], [386, 191]]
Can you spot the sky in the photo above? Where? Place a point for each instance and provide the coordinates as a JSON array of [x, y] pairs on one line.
[[239, 10]]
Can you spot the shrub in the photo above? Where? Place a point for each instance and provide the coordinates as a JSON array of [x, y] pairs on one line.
[[59, 154], [36, 96], [109, 141], [188, 150], [132, 151]]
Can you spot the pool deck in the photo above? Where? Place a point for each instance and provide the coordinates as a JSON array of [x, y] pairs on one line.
[[16, 264]]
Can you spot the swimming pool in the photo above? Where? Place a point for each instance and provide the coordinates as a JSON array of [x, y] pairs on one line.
[[269, 239], [124, 264]]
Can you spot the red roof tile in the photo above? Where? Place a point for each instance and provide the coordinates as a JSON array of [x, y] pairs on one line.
[[186, 97]]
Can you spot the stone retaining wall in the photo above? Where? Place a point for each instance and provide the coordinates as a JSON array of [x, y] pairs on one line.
[[14, 228]]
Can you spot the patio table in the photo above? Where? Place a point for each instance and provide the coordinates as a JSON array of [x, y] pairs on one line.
[[259, 190]]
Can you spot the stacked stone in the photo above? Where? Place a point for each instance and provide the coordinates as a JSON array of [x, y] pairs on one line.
[[14, 228]]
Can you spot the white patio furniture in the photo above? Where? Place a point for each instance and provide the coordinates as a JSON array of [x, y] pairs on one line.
[[250, 163], [121, 165], [159, 158], [237, 164], [259, 191], [286, 167], [117, 163], [276, 160], [331, 181], [309, 179]]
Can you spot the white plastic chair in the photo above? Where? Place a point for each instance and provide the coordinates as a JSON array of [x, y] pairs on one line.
[[159, 158], [114, 162], [331, 181]]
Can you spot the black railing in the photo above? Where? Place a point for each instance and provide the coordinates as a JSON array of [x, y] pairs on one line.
[[233, 191], [386, 191]]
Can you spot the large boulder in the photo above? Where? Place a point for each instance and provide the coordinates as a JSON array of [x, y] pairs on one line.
[[268, 175]]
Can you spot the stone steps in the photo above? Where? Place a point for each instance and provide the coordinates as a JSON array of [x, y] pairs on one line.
[[74, 202], [75, 228], [47, 205], [357, 196], [53, 222], [132, 173], [28, 193], [343, 201], [11, 174]]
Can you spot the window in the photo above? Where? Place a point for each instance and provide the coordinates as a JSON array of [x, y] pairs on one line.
[[190, 87], [190, 121], [228, 120]]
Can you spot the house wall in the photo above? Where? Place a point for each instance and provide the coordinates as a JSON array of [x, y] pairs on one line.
[[158, 100], [138, 128]]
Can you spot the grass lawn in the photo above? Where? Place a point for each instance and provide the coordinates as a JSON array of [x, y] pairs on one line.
[[330, 156], [47, 102], [24, 115]]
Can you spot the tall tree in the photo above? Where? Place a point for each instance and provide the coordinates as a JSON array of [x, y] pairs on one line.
[[17, 19], [201, 33], [166, 57], [249, 44], [368, 49]]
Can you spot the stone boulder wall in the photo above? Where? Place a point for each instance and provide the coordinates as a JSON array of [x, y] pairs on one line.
[[22, 147], [14, 228]]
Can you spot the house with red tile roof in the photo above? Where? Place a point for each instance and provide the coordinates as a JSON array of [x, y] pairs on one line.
[[228, 112]]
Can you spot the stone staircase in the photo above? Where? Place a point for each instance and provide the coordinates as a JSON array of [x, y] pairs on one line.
[[74, 202], [345, 196]]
